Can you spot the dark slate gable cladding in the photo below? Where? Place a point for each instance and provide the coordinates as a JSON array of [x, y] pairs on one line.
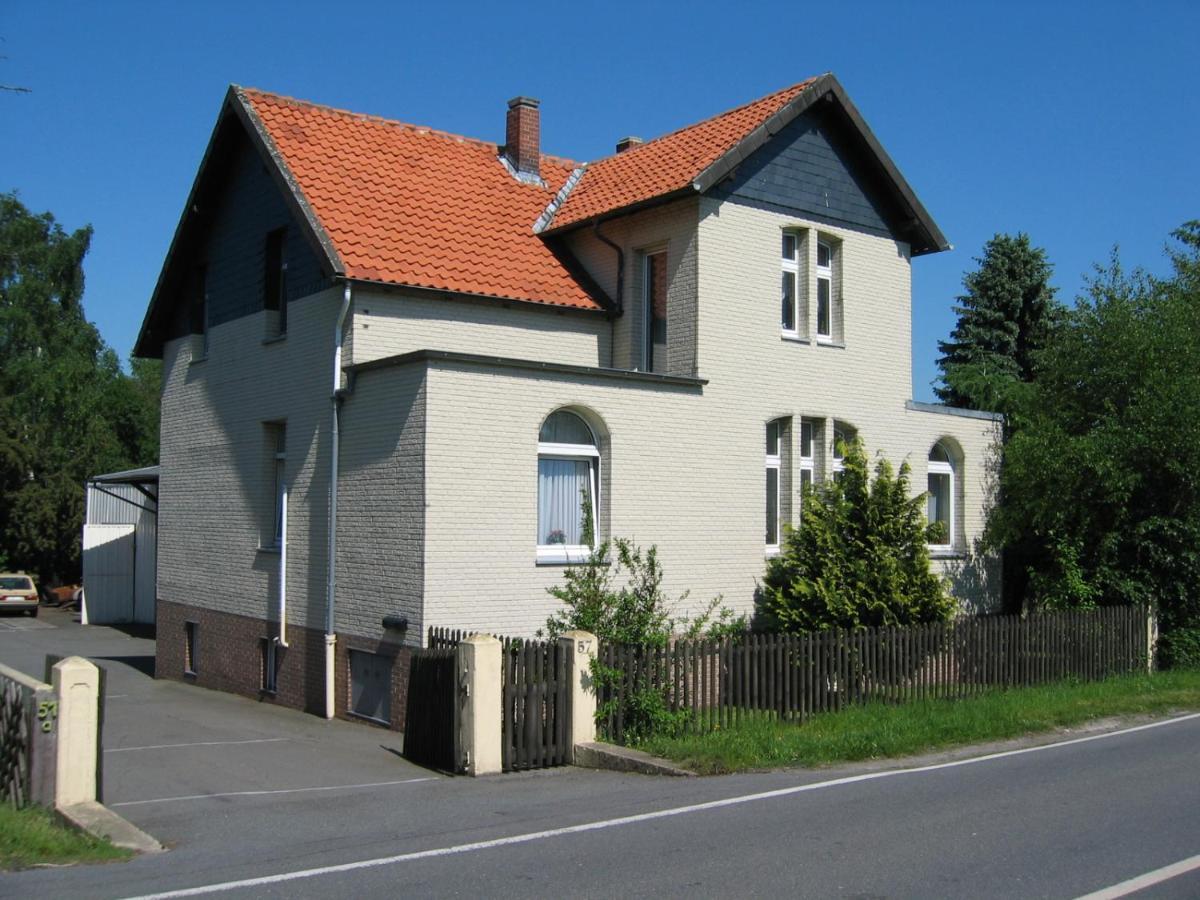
[[807, 169], [247, 207]]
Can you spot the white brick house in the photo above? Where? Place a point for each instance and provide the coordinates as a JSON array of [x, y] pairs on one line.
[[470, 335]]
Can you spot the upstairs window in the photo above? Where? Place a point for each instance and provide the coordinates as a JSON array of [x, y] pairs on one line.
[[568, 488], [275, 277], [824, 291], [789, 316], [654, 290], [940, 500]]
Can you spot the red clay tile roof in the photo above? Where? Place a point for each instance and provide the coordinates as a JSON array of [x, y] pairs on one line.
[[409, 205], [668, 163]]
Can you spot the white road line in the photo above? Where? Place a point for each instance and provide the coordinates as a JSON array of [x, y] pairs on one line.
[[332, 787], [195, 744], [640, 817], [1133, 885]]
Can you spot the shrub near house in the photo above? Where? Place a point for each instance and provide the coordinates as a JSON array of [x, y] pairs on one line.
[[859, 557]]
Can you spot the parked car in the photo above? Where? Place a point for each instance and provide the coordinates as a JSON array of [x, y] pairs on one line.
[[18, 592]]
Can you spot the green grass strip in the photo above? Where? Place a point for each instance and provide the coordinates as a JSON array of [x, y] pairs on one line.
[[33, 836], [878, 732]]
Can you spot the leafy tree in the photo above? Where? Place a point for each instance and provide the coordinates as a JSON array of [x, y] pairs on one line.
[[859, 557], [1004, 317], [66, 409], [1101, 476]]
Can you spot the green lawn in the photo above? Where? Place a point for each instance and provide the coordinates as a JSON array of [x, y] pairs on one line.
[[877, 731], [33, 836]]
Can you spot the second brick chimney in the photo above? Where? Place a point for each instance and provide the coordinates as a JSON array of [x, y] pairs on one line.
[[522, 138]]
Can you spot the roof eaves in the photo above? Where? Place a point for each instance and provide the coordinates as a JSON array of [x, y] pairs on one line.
[[657, 200], [822, 87], [602, 302], [140, 348], [742, 150], [292, 191]]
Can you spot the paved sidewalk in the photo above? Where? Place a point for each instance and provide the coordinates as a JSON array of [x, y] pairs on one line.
[[174, 753]]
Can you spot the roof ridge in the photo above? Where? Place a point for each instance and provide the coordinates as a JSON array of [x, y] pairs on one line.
[[637, 148], [381, 120]]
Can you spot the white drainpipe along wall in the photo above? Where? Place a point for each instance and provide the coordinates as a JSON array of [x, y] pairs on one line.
[[331, 582]]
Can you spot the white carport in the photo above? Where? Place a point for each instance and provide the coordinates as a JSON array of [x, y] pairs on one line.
[[120, 547]]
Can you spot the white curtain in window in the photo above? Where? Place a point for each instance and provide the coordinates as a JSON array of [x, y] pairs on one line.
[[561, 487]]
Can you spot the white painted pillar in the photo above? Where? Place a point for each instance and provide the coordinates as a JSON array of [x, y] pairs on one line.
[[77, 687], [479, 673], [580, 647]]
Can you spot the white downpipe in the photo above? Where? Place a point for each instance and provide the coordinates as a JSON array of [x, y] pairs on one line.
[[331, 553], [283, 513]]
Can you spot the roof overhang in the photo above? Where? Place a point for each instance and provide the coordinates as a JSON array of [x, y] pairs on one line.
[[918, 226], [236, 115]]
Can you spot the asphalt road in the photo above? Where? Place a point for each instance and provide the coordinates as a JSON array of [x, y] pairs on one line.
[[347, 817]]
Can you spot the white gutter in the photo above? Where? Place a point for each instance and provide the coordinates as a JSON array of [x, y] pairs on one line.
[[283, 504], [331, 553]]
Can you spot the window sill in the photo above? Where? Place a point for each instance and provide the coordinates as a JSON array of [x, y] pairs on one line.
[[365, 718], [562, 556], [274, 338], [196, 360], [771, 552], [946, 553], [270, 549], [825, 342], [793, 337]]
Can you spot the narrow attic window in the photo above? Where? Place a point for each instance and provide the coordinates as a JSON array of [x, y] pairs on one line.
[[199, 311], [275, 281]]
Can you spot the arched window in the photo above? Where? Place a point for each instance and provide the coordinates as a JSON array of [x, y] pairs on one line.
[[940, 504], [568, 488]]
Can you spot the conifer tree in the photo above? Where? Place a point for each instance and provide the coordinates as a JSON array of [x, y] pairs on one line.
[[1004, 317]]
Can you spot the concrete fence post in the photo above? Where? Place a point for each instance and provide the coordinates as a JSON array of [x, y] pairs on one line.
[[479, 678], [1151, 637], [77, 686], [580, 648]]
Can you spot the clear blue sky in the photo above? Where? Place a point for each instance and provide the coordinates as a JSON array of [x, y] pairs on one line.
[[1076, 122]]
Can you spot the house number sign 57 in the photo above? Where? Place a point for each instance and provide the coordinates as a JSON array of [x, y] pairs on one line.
[[47, 713]]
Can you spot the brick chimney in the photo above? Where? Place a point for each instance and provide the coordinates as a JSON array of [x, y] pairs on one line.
[[522, 138], [626, 142]]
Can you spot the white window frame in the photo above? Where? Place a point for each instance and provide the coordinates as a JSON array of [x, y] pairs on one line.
[[939, 467], [573, 553], [791, 266], [824, 273], [807, 463], [774, 463]]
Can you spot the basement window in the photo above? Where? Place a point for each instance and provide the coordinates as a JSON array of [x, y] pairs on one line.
[[189, 647], [269, 665]]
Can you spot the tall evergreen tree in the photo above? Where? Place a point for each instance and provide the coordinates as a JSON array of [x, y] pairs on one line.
[[1003, 319], [66, 410]]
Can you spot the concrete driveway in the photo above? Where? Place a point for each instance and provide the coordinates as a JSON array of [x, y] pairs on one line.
[[174, 754]]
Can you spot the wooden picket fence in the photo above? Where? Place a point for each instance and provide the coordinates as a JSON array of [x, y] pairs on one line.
[[717, 683], [534, 699]]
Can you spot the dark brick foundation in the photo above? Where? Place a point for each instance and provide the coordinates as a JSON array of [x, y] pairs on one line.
[[229, 658]]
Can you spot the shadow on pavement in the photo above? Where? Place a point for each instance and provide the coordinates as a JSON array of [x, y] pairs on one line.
[[143, 664]]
